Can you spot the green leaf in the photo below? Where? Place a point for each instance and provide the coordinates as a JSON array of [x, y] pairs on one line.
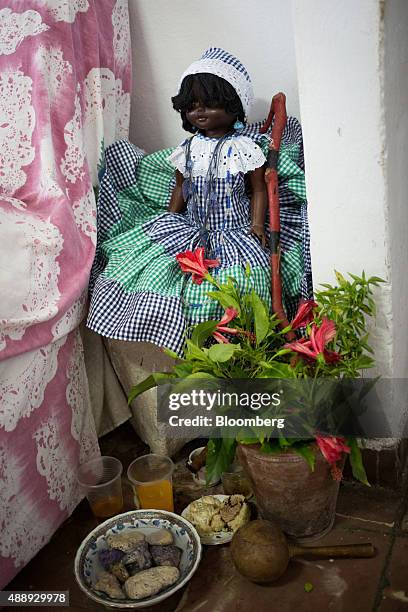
[[194, 352], [221, 353], [357, 462], [261, 317], [187, 383], [183, 369], [247, 269], [170, 353], [270, 448], [225, 299], [364, 362], [275, 370], [246, 440], [281, 352], [202, 331], [308, 586], [340, 278], [220, 455], [358, 279], [148, 383], [307, 453], [232, 283], [202, 375]]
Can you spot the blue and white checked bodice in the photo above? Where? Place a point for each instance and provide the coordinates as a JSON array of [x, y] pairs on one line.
[[223, 204]]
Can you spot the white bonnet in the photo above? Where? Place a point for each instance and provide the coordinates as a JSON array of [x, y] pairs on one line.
[[221, 63]]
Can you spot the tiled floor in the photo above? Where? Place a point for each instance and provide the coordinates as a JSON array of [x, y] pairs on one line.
[[349, 585]]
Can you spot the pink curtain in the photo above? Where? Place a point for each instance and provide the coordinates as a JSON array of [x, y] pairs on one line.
[[65, 76]]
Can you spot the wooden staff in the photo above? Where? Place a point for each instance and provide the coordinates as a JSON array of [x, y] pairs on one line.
[[277, 111]]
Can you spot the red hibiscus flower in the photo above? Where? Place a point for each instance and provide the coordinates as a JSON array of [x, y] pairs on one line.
[[316, 345], [304, 314], [320, 336], [332, 448], [195, 263], [220, 338], [222, 328]]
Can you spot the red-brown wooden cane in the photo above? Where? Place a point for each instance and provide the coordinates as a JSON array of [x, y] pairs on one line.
[[277, 111]]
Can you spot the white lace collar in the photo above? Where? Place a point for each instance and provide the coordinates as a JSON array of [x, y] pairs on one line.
[[238, 154]]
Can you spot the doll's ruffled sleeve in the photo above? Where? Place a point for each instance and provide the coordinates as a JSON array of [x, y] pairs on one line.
[[178, 158], [245, 155]]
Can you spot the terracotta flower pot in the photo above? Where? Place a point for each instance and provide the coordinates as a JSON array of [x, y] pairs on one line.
[[302, 502]]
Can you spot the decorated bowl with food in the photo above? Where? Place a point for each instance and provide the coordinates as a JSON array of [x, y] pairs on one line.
[[137, 559], [217, 517]]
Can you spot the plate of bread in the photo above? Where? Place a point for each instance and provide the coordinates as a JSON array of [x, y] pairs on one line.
[[217, 517]]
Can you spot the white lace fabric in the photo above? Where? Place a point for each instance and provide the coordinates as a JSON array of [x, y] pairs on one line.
[[245, 156], [59, 109]]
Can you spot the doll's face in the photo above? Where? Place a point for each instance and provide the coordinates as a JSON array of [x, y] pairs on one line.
[[214, 122]]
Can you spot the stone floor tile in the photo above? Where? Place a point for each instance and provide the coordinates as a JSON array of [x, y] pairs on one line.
[[372, 508], [338, 585], [395, 592], [71, 608], [404, 523], [347, 585], [392, 605]]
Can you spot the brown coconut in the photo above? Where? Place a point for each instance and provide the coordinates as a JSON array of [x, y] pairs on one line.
[[259, 551]]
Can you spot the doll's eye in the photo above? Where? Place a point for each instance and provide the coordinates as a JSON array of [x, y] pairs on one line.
[[194, 106]]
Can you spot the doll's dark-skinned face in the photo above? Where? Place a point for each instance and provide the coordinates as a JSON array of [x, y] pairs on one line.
[[213, 122]]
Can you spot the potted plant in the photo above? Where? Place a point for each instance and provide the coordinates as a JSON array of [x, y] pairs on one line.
[[295, 480]]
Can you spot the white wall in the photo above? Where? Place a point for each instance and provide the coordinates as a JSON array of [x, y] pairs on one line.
[[339, 61], [339, 72], [168, 35], [396, 129], [353, 93], [395, 32]]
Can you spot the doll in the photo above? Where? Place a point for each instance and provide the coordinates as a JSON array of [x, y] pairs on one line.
[[212, 109], [217, 200]]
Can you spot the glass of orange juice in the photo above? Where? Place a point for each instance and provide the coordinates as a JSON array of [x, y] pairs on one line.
[[100, 479], [151, 478]]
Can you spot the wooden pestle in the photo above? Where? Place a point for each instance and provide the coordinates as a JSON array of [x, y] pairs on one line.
[[261, 553], [338, 551]]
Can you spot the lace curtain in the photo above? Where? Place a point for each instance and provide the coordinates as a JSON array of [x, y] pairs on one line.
[[65, 76]]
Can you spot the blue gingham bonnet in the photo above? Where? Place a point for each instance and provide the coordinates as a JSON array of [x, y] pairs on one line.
[[221, 63]]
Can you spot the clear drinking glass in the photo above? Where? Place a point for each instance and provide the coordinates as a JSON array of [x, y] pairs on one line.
[[235, 481], [151, 478], [100, 479]]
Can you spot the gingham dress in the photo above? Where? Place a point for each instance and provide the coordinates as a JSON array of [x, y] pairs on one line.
[[138, 290]]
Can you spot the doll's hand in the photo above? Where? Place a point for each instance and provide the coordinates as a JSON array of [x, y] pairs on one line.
[[259, 232]]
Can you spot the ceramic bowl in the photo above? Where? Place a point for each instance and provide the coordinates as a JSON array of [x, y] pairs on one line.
[[87, 566]]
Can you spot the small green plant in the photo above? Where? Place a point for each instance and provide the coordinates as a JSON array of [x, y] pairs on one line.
[[248, 342]]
